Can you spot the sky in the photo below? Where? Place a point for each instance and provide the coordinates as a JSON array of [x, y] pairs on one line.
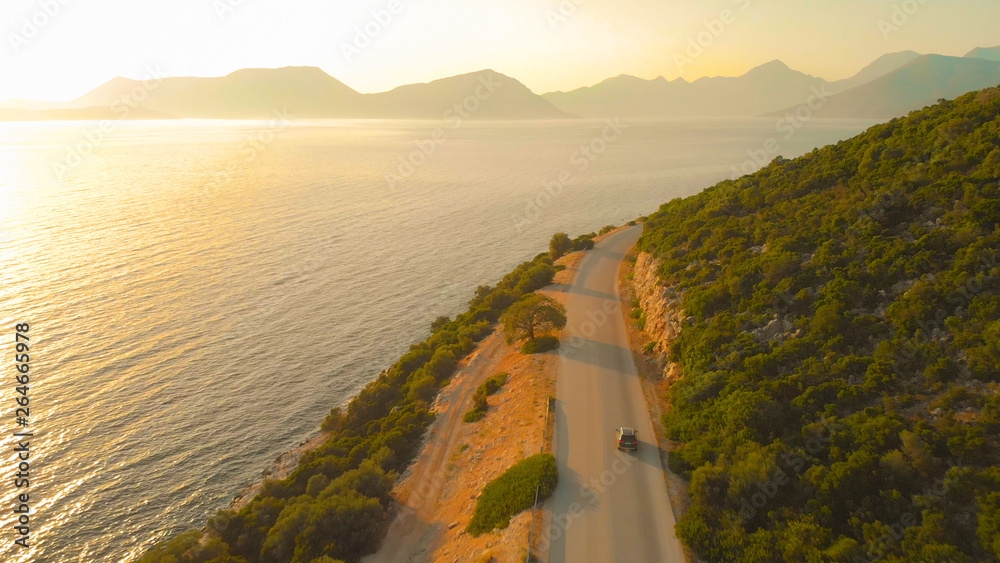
[[60, 49]]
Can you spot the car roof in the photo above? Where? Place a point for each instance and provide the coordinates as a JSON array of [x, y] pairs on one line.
[[627, 431]]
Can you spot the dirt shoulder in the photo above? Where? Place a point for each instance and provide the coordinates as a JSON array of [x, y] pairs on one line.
[[437, 494]]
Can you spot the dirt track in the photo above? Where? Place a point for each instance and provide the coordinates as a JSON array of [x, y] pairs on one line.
[[437, 493]]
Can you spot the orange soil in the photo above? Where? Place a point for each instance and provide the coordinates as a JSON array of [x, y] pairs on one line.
[[458, 458]]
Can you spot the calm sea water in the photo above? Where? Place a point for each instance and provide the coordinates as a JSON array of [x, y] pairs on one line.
[[201, 293]]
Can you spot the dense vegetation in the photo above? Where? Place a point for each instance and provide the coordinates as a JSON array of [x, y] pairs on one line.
[[840, 398], [540, 345], [514, 491], [479, 402], [561, 244], [334, 506]]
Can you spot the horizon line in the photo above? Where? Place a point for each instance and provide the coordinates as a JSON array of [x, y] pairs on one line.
[[663, 76]]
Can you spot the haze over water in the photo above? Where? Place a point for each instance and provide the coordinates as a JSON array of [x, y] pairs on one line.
[[187, 327]]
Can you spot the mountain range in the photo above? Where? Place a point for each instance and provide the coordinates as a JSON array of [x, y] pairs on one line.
[[301, 92], [913, 86], [891, 86]]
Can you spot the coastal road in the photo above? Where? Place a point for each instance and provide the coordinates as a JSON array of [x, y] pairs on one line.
[[609, 506]]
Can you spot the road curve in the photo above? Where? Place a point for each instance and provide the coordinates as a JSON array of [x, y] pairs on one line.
[[609, 506]]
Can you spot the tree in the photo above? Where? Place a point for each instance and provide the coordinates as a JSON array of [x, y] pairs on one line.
[[533, 313], [583, 242], [560, 245]]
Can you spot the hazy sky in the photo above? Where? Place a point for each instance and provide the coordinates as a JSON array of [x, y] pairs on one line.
[[547, 44]]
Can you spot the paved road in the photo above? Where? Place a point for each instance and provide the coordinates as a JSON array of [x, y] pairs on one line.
[[610, 506]]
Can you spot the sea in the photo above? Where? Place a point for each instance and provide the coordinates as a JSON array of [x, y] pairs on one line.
[[200, 293]]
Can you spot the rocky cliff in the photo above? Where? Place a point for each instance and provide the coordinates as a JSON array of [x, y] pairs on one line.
[[662, 308]]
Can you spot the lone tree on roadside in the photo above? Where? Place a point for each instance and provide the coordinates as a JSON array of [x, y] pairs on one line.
[[533, 313], [560, 245]]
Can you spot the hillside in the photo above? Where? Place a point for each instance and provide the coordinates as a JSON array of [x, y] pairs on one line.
[[914, 86], [840, 353]]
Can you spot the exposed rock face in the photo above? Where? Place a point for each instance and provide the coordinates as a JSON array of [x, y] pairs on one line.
[[662, 305], [777, 330]]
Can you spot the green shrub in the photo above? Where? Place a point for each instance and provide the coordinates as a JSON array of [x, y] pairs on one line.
[[479, 407], [640, 322], [474, 415], [560, 245], [606, 229], [540, 345], [677, 463], [493, 384], [512, 492], [583, 242]]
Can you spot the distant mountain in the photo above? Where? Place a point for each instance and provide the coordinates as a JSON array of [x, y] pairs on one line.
[[985, 53], [302, 93], [881, 67], [762, 89], [623, 96], [914, 86], [244, 94], [486, 94]]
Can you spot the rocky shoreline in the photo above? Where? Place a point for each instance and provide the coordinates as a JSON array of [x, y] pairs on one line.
[[281, 467]]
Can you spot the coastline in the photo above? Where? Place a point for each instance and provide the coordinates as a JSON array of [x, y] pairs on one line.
[[285, 463], [280, 468], [403, 402]]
